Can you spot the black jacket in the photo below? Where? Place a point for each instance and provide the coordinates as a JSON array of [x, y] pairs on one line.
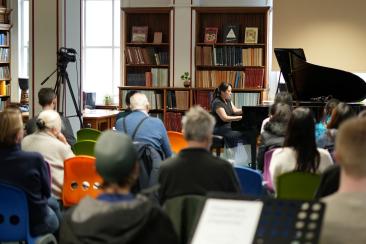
[[273, 136], [137, 221]]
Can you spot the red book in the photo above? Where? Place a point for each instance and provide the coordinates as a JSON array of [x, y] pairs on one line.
[[211, 34]]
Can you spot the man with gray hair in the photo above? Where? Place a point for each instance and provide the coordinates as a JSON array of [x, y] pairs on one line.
[[143, 128], [195, 170]]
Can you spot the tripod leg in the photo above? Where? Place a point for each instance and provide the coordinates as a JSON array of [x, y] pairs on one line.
[[78, 112]]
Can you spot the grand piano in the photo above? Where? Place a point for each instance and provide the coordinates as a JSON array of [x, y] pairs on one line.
[[310, 83]]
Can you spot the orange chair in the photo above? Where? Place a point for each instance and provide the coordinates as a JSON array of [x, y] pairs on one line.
[[80, 179], [177, 141]]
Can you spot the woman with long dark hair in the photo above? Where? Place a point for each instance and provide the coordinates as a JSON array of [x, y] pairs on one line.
[[225, 112], [299, 152]]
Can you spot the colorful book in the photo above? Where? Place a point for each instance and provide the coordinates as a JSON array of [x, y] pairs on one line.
[[139, 34], [211, 34]]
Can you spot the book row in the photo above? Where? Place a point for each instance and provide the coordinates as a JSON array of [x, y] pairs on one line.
[[177, 100], [173, 121], [4, 88], [229, 56], [4, 39], [157, 77], [250, 78], [148, 55], [4, 54], [4, 72], [155, 99]]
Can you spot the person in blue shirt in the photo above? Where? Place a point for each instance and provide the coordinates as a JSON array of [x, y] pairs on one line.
[[152, 130], [117, 216]]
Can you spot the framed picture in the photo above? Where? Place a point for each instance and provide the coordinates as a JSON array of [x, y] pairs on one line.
[[139, 34], [231, 33], [251, 35], [211, 34]]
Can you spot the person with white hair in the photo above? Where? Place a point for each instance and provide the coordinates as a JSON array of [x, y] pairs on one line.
[[195, 170], [143, 128], [52, 144]]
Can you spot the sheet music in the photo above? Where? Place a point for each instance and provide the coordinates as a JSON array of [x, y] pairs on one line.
[[228, 222]]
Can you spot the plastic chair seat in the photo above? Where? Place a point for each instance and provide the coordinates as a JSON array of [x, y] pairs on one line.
[[14, 220], [80, 179], [85, 147], [297, 185], [177, 141], [250, 181], [87, 134]]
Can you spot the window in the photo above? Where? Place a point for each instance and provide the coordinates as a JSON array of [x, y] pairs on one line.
[[23, 20], [101, 48]]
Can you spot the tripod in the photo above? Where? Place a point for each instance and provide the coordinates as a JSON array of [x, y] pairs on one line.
[[63, 79]]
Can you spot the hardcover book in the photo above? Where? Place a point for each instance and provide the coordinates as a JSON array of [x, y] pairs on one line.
[[231, 33], [139, 34], [210, 34]]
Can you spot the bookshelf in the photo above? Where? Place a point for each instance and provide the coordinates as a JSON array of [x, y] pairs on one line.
[[242, 64], [5, 79], [146, 55], [167, 103]]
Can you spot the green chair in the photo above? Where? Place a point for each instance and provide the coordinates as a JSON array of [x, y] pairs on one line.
[[297, 185], [184, 212], [85, 147], [87, 134]]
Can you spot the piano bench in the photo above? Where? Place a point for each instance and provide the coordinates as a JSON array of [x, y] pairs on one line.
[[217, 144]]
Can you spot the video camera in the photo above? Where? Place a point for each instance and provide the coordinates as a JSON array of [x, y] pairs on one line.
[[66, 55]]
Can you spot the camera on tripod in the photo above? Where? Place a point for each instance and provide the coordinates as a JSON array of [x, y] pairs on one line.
[[66, 55]]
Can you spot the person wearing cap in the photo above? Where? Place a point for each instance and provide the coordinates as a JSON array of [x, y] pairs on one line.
[[116, 216], [52, 144], [151, 131], [195, 170]]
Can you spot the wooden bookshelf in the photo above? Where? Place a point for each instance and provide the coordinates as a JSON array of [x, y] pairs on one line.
[[5, 65], [146, 63], [244, 65]]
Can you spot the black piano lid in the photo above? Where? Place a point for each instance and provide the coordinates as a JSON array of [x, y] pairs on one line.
[[309, 82]]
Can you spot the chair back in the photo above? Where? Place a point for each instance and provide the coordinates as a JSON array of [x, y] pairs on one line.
[[87, 134], [85, 147], [14, 222], [297, 185], [80, 179], [266, 174], [177, 141], [250, 181]]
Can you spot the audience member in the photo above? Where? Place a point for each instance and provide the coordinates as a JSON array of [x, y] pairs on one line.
[[48, 100], [340, 113], [195, 170], [299, 152], [28, 171], [116, 216], [51, 143], [281, 97], [128, 110], [274, 131], [346, 210], [329, 182], [225, 112], [321, 126], [143, 128]]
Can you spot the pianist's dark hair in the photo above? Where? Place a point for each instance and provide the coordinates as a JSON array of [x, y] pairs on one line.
[[221, 88], [301, 137], [340, 113]]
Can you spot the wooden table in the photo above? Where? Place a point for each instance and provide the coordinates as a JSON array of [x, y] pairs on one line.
[[100, 119]]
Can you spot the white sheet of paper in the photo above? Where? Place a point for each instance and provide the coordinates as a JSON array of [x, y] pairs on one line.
[[228, 222]]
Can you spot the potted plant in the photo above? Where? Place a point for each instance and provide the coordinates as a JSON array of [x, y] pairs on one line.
[[186, 78], [107, 100]]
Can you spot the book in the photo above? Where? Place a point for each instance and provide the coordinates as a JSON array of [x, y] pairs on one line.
[[231, 33], [158, 37], [139, 34], [210, 34]]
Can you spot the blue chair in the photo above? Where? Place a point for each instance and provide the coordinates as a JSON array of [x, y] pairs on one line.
[[250, 181], [14, 222]]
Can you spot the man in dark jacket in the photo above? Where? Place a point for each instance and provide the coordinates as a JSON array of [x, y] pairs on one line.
[[116, 216], [195, 170]]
